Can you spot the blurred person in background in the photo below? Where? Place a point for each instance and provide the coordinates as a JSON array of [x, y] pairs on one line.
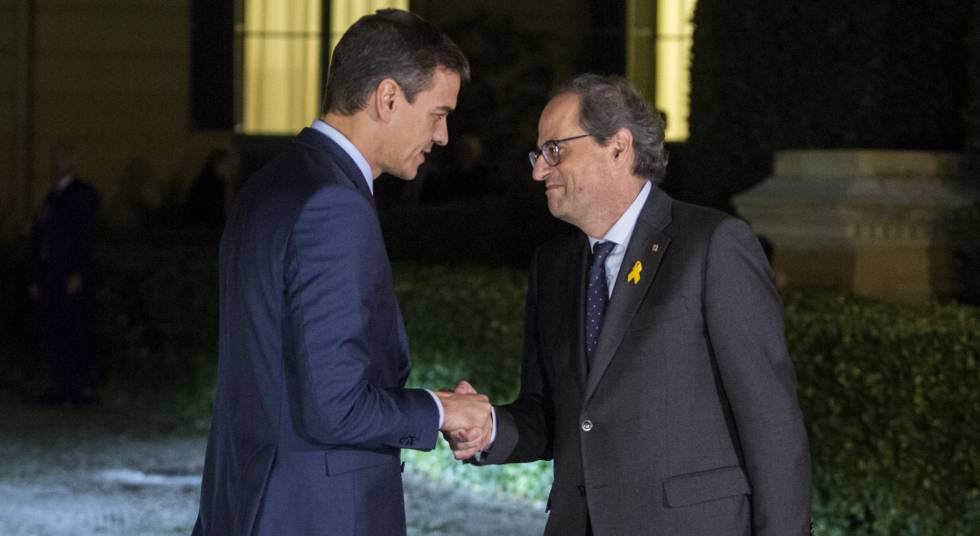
[[61, 268]]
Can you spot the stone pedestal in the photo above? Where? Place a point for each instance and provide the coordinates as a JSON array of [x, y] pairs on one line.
[[867, 221]]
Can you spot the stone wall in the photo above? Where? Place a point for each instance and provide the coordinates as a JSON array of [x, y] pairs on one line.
[[867, 221]]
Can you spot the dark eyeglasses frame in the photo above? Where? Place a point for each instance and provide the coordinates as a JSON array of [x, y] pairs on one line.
[[549, 148]]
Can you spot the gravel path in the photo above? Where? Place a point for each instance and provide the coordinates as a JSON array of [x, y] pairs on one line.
[[78, 472]]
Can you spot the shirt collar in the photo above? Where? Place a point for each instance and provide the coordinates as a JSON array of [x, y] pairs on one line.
[[622, 230], [348, 148]]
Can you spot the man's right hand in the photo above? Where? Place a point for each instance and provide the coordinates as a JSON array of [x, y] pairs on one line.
[[466, 443], [464, 411]]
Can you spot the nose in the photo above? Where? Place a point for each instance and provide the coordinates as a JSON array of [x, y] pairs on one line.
[[441, 135], [541, 169]]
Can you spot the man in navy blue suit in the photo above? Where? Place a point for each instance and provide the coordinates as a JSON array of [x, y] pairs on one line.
[[311, 410], [61, 279]]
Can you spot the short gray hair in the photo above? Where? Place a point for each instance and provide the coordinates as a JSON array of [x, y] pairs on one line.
[[609, 103]]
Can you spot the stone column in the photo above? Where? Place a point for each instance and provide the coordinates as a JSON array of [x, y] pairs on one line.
[[867, 221]]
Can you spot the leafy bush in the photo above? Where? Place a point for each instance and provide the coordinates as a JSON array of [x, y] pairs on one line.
[[769, 75], [19, 369], [891, 401], [466, 322], [964, 234], [889, 392], [156, 323], [495, 231]]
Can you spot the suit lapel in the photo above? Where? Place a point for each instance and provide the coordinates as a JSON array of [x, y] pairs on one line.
[[646, 249]]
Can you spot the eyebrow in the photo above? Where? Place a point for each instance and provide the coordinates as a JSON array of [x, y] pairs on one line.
[[444, 109]]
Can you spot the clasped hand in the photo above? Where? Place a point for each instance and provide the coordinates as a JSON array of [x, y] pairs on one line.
[[468, 423]]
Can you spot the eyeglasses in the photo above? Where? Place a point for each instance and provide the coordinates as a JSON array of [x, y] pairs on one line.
[[551, 150]]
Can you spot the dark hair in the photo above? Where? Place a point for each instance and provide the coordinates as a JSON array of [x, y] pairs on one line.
[[389, 44], [609, 103]]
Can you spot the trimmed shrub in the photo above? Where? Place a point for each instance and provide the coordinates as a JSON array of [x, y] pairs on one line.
[[892, 405], [889, 392], [157, 323], [495, 231], [769, 75], [964, 234]]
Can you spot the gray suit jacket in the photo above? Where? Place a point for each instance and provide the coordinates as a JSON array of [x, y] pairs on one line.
[[687, 421]]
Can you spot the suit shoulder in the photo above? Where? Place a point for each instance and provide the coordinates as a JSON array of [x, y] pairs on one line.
[[700, 217]]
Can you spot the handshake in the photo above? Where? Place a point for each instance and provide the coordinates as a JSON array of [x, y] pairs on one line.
[[468, 423]]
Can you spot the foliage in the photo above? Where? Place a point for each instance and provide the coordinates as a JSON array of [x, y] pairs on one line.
[[466, 322], [156, 322], [769, 75], [891, 401], [889, 391], [471, 231], [18, 368], [964, 235]]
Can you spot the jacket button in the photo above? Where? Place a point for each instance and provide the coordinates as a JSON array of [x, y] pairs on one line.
[[581, 490], [586, 425]]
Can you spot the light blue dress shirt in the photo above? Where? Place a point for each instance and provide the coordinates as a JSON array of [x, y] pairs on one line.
[[348, 148], [620, 233]]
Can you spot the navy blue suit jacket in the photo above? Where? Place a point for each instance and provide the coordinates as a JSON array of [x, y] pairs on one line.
[[310, 410]]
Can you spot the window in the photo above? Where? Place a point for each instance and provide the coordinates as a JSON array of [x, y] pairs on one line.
[[280, 61], [343, 13], [659, 57], [281, 58]]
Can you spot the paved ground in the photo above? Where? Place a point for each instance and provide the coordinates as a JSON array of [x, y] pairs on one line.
[[78, 472]]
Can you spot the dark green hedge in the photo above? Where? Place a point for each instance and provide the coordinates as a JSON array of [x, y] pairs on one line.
[[157, 322], [964, 236], [769, 75], [892, 405], [890, 392]]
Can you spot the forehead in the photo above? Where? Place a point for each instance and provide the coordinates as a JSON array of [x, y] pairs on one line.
[[559, 119]]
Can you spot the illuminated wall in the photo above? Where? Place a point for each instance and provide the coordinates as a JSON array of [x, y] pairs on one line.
[[281, 47], [659, 57]]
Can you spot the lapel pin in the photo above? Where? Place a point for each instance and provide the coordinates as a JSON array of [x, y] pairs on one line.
[[634, 275], [655, 248]]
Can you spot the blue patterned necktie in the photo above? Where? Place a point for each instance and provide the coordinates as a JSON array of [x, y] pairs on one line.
[[596, 297]]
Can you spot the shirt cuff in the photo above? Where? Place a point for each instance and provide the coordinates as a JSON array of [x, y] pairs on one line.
[[493, 433], [442, 412]]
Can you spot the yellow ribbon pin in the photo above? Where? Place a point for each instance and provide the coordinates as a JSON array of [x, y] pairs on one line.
[[634, 275]]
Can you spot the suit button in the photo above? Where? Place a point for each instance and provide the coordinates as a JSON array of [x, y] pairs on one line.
[[581, 490], [586, 425]]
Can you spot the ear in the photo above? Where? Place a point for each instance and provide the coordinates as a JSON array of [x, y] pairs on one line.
[[621, 143], [385, 99]]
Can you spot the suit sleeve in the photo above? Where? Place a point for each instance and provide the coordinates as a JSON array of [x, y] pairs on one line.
[[745, 326], [336, 267], [524, 427]]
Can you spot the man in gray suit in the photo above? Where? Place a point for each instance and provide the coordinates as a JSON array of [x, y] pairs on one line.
[[655, 368]]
